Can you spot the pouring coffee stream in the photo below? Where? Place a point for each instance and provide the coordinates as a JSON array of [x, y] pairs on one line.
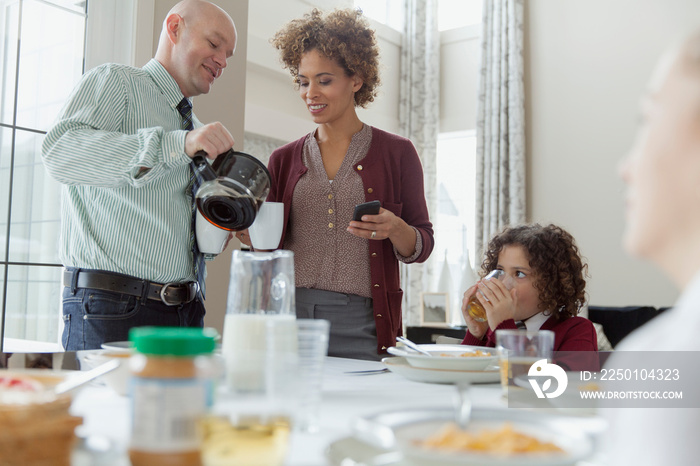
[[233, 188]]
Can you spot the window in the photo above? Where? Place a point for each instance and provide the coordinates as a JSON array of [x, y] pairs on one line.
[[455, 220], [389, 12], [458, 13], [41, 60]]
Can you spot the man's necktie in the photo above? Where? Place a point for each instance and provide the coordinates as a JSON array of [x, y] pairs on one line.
[[185, 109], [520, 324]]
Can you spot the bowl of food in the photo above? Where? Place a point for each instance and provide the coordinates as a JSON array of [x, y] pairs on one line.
[[450, 357], [491, 438], [489, 443]]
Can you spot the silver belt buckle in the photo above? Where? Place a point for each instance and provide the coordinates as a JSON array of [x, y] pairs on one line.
[[163, 296]]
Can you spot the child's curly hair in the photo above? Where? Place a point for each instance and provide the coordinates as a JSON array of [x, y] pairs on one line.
[[555, 261], [343, 36]]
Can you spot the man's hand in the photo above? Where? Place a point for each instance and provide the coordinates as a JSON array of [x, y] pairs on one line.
[[244, 237], [214, 139]]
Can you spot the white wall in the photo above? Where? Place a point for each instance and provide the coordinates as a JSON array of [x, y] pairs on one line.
[[587, 63]]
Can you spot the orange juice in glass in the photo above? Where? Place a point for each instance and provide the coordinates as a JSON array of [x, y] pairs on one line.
[[474, 307], [518, 350]]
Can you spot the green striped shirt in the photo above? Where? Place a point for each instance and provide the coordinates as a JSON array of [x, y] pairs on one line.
[[114, 215]]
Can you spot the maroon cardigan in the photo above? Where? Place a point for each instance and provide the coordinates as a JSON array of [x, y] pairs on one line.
[[391, 172], [572, 334]]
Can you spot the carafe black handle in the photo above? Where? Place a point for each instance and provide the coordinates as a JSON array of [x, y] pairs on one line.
[[202, 167]]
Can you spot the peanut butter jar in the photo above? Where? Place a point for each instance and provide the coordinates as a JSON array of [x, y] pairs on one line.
[[172, 388]]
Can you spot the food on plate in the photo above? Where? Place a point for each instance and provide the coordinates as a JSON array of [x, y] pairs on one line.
[[505, 441], [471, 354], [11, 382]]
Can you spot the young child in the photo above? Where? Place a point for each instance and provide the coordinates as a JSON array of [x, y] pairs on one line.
[[548, 292]]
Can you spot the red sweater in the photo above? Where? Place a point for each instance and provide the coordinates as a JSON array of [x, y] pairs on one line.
[[391, 172], [572, 334]]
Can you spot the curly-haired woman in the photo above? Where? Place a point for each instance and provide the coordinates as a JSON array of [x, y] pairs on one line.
[[346, 271], [545, 266]]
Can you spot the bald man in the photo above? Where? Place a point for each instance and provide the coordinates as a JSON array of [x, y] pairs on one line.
[[121, 148]]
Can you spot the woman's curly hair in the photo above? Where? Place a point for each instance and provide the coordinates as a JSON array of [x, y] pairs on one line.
[[343, 36], [555, 261]]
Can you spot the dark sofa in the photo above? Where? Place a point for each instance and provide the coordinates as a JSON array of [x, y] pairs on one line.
[[617, 322]]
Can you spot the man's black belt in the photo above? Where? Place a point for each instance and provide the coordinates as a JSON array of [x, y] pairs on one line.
[[171, 294]]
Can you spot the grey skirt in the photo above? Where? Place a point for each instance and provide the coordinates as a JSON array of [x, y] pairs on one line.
[[353, 331]]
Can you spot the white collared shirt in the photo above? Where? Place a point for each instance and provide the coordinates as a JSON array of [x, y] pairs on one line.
[[535, 322], [116, 216]]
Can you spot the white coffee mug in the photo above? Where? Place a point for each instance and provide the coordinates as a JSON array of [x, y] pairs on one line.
[[211, 239], [266, 230]]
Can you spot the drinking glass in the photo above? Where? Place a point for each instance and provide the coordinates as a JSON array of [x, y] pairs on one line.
[[312, 337], [252, 418], [474, 307], [518, 350]]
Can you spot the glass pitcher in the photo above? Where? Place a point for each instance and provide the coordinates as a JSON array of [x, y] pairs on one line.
[[260, 322]]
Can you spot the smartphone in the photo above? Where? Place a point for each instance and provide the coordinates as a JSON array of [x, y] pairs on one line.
[[367, 208]]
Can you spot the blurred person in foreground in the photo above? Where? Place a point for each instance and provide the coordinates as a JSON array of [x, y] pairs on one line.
[[346, 271], [122, 148], [662, 175]]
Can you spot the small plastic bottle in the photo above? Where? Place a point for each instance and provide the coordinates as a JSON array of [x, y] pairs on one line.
[[172, 390]]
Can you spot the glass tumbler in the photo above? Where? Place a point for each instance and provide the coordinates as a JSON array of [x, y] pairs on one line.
[[474, 307]]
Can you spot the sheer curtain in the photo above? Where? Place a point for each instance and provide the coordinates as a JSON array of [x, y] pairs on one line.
[[500, 166], [418, 119]]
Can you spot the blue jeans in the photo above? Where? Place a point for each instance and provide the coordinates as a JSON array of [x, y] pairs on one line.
[[92, 317]]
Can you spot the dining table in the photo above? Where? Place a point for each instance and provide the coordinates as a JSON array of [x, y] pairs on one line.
[[349, 394]]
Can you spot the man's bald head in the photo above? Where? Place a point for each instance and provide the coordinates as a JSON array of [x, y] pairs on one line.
[[195, 43]]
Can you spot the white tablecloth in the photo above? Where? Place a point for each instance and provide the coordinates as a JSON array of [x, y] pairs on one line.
[[345, 397]]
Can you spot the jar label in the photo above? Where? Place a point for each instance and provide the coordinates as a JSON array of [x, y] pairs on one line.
[[166, 412]]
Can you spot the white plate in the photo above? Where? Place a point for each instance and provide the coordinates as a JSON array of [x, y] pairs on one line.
[[400, 430], [349, 448], [447, 357], [118, 346], [400, 366]]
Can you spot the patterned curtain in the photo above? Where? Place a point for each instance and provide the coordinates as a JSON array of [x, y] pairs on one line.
[[418, 119], [500, 130]]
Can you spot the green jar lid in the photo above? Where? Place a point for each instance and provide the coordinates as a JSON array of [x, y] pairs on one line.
[[173, 341]]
